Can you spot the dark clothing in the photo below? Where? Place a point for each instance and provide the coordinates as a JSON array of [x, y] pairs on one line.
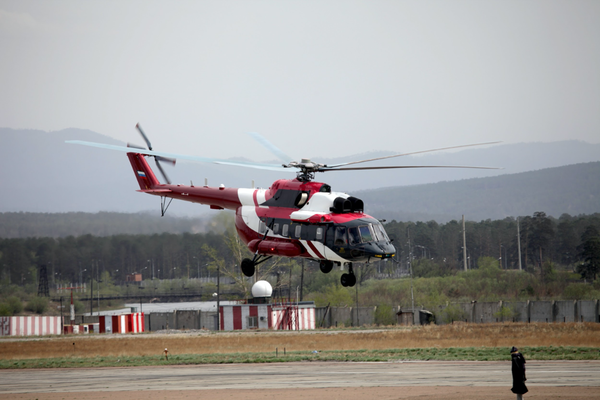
[[518, 373]]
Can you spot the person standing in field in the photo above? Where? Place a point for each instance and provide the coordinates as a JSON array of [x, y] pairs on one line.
[[518, 373]]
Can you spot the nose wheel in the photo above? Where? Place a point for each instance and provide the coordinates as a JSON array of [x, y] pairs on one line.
[[349, 279], [249, 266]]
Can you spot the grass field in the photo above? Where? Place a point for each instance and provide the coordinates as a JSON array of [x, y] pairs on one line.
[[474, 342]]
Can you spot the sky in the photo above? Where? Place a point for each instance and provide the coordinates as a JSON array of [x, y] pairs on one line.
[[316, 78]]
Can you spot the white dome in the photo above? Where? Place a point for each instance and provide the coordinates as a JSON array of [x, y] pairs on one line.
[[262, 289]]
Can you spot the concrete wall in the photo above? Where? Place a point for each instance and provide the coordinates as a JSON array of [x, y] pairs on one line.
[[486, 311], [564, 311], [341, 316], [541, 311], [160, 321], [467, 309], [366, 316], [526, 311], [517, 311], [323, 317], [208, 320], [346, 316], [187, 319], [587, 311]]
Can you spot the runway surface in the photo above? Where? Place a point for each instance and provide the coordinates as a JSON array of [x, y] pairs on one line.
[[297, 375]]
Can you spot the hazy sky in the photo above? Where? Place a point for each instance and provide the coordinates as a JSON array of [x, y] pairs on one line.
[[317, 78]]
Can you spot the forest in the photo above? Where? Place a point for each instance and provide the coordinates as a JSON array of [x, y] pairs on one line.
[[560, 258]]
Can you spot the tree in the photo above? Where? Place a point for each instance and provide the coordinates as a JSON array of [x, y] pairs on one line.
[[542, 231], [590, 253]]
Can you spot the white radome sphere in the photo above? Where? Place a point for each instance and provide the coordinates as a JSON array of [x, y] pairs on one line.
[[262, 289]]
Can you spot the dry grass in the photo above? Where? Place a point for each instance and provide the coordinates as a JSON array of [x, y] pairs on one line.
[[463, 335]]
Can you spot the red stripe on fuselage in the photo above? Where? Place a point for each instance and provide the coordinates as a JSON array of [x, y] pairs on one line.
[[314, 249]]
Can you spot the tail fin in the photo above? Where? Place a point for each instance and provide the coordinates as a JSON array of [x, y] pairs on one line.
[[144, 175]]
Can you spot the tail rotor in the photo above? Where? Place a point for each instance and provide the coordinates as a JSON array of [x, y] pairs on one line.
[[157, 159]]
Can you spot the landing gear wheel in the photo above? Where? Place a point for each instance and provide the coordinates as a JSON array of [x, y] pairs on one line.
[[348, 280], [352, 280], [345, 280], [326, 266], [248, 267]]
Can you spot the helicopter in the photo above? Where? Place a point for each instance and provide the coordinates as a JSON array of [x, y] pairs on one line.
[[292, 218]]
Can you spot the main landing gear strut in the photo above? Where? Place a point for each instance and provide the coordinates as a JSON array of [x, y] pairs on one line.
[[347, 280]]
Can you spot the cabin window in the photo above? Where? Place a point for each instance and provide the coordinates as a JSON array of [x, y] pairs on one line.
[[298, 231], [319, 234], [262, 228], [340, 236], [354, 235], [284, 230], [276, 228]]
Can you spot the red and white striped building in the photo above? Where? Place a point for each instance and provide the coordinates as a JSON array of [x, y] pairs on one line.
[[283, 316], [125, 323], [30, 326]]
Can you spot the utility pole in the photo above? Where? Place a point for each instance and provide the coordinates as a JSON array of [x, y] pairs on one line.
[[92, 290], [412, 296], [218, 297], [302, 282], [519, 244], [464, 243]]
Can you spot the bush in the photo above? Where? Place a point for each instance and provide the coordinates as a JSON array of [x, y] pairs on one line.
[[384, 315], [5, 310], [14, 304], [37, 305], [453, 313]]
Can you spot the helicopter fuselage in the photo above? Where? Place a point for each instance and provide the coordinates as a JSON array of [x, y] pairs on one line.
[[292, 218]]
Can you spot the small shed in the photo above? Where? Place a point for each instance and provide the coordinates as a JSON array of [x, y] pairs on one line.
[[405, 318]]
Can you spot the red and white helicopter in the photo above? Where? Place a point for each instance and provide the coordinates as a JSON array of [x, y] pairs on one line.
[[292, 218]]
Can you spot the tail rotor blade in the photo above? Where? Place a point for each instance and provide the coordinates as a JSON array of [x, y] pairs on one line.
[[162, 171], [139, 128]]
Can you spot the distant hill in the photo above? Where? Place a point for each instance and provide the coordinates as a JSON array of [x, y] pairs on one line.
[[25, 225], [40, 173], [572, 189]]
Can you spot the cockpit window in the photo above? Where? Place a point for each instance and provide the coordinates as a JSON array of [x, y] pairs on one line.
[[365, 233], [384, 236]]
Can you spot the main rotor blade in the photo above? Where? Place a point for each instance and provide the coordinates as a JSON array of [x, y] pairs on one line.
[[409, 154], [402, 166], [171, 161], [272, 167], [139, 128], [271, 147]]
